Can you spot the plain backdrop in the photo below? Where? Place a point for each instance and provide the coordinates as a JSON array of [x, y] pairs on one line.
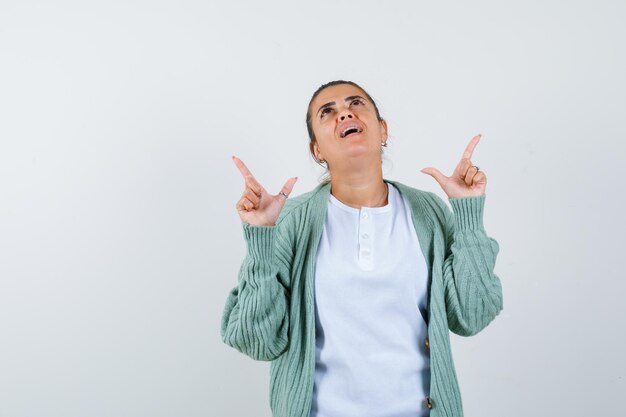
[[119, 238]]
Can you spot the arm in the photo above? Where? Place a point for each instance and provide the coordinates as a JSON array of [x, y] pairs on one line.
[[473, 292], [255, 319]]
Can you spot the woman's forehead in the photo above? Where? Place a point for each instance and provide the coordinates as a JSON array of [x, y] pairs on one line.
[[330, 96], [339, 91]]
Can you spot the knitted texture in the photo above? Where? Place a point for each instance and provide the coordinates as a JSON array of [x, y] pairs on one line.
[[270, 314]]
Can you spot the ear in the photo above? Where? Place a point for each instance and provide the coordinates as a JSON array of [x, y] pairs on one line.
[[383, 124], [316, 150]]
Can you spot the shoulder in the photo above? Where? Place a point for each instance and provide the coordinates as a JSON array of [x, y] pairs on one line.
[[297, 206], [426, 203], [426, 200]]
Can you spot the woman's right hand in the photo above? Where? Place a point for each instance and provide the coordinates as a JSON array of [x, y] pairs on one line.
[[256, 206]]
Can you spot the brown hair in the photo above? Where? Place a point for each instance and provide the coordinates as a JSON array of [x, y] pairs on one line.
[[309, 125]]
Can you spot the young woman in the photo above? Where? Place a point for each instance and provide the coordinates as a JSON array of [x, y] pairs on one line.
[[351, 289]]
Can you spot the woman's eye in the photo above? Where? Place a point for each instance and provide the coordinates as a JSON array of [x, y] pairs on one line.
[[323, 112]]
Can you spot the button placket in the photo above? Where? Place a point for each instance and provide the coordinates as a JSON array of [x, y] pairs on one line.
[[365, 236]]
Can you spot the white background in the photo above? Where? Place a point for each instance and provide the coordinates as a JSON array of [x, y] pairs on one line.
[[119, 238]]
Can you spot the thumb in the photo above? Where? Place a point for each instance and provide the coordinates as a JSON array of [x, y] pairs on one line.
[[289, 185], [436, 174]]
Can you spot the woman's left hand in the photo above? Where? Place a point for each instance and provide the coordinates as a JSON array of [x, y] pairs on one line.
[[466, 180]]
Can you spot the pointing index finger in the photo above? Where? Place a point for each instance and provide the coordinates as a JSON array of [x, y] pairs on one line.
[[470, 147], [242, 167], [249, 179]]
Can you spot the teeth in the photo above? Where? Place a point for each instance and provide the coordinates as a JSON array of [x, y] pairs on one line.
[[343, 134]]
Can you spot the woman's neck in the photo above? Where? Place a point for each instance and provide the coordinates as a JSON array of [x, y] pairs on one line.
[[360, 190]]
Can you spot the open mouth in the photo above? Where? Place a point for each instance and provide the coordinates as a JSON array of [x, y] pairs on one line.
[[350, 131]]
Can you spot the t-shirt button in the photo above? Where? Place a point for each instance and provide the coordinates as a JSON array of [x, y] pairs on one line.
[[365, 216], [365, 235]]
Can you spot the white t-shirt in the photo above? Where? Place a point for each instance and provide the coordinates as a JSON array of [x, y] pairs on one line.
[[370, 305]]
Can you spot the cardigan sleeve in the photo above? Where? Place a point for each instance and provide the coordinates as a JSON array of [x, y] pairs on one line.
[[473, 292], [255, 319]]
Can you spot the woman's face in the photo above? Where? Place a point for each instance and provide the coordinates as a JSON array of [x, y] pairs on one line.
[[340, 110]]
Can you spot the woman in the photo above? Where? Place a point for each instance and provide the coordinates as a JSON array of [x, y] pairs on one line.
[[350, 289]]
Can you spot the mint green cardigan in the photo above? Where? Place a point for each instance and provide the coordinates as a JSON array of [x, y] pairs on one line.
[[269, 315]]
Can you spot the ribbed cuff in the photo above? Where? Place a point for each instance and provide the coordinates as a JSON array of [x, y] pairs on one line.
[[260, 240], [468, 212]]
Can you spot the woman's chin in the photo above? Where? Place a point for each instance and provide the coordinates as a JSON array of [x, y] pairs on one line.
[[362, 150]]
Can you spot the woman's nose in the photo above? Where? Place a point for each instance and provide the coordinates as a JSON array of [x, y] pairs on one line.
[[344, 115]]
